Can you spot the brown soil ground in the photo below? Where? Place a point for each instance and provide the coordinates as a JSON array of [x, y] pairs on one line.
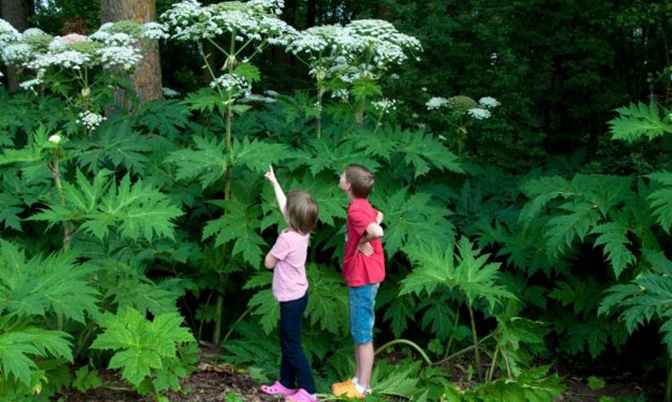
[[211, 383]]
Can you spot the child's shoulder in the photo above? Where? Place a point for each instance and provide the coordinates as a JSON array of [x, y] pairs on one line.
[[360, 205]]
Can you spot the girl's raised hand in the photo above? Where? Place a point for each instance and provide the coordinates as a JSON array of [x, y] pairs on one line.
[[270, 175]]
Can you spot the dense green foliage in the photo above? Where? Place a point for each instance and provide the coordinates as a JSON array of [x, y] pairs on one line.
[[540, 233]]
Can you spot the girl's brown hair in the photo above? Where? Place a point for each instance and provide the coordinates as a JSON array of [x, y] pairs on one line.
[[301, 211]]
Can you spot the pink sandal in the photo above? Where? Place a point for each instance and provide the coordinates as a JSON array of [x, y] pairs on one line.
[[277, 389], [301, 396]]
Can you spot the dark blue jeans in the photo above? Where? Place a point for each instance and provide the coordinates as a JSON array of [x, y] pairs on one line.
[[294, 365]]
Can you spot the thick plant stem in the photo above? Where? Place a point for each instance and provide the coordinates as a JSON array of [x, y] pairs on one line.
[[450, 340], [409, 343], [318, 111], [56, 173], [460, 352], [219, 309], [477, 353], [491, 372]]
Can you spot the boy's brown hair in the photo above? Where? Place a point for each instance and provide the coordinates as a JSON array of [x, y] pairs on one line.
[[361, 180], [301, 211]]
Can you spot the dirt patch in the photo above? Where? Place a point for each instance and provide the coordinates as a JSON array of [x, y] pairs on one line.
[[212, 382]]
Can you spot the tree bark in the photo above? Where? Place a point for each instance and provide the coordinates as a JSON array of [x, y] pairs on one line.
[[147, 75], [17, 13]]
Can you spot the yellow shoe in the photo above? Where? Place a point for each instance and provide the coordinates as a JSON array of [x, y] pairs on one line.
[[348, 390], [339, 388]]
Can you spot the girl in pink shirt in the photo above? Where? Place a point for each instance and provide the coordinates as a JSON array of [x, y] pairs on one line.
[[287, 258]]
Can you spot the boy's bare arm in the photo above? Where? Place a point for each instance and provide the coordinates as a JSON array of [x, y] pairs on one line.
[[279, 194], [373, 231]]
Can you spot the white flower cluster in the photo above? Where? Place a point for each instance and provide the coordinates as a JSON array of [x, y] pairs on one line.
[[155, 31], [339, 51], [122, 56], [31, 84], [483, 112], [67, 59], [385, 105], [273, 6], [488, 102], [33, 32], [169, 93], [7, 33], [250, 97], [233, 84], [479, 113], [17, 53], [315, 40], [113, 45], [90, 120], [254, 20], [436, 103], [55, 139], [341, 94], [464, 104]]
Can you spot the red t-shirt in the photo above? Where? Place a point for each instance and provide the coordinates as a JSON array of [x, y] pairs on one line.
[[358, 269]]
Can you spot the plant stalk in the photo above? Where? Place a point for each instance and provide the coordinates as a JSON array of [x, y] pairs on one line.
[[405, 342], [477, 353]]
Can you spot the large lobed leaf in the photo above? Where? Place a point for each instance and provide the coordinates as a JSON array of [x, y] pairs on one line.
[[135, 210], [141, 346], [239, 225], [19, 349], [468, 273], [37, 286], [411, 220], [640, 120]]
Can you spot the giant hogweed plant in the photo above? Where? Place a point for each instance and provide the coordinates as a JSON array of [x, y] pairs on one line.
[[152, 355], [646, 296], [239, 31], [605, 213], [77, 68], [461, 111], [350, 60], [102, 217]]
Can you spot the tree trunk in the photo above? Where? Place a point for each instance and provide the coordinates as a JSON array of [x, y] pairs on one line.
[[16, 12], [311, 14], [147, 75]]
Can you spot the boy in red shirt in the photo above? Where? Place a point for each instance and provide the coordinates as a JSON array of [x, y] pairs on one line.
[[363, 270]]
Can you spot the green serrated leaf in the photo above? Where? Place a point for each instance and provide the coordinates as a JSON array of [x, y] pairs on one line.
[[639, 120], [208, 162], [238, 225]]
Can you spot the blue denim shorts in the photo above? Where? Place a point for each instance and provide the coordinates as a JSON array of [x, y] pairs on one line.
[[362, 301]]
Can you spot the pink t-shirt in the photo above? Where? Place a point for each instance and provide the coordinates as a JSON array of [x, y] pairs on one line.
[[358, 269], [289, 274]]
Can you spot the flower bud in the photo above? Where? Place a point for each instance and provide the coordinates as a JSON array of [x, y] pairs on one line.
[[86, 91], [55, 139]]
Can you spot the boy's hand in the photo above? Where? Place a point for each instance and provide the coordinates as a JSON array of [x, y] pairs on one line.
[[270, 175], [365, 248], [379, 218]]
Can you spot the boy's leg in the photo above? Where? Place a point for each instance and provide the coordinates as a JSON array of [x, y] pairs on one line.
[[365, 358], [361, 302], [294, 365]]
